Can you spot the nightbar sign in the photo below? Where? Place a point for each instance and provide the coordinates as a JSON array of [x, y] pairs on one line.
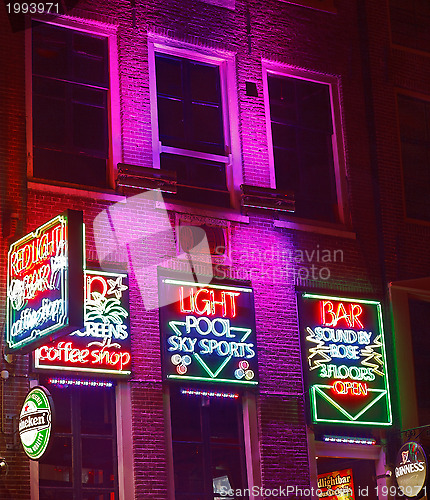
[[208, 332], [45, 283], [344, 360], [35, 422], [103, 347]]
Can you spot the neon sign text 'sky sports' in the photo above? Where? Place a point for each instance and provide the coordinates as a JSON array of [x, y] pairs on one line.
[[208, 332], [343, 344]]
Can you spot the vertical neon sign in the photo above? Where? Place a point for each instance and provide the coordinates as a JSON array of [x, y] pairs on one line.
[[45, 283], [344, 360]]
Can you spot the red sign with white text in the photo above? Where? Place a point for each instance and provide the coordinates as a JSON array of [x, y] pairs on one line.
[[103, 346], [336, 485]]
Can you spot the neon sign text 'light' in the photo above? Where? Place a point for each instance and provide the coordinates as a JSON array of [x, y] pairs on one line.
[[208, 333], [45, 283], [344, 360]]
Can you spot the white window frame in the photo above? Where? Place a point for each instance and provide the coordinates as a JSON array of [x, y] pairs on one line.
[[230, 108], [270, 68], [113, 101]]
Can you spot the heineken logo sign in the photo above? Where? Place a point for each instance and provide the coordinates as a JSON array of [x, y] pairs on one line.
[[35, 422]]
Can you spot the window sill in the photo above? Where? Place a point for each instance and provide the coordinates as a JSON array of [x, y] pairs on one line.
[[71, 190], [316, 227], [221, 213]]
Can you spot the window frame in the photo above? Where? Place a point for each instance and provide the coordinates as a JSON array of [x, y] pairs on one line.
[[250, 441], [124, 442], [417, 97], [230, 108], [271, 68], [113, 101]]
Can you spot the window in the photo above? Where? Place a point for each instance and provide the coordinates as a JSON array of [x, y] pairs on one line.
[[414, 123], [70, 92], [410, 21], [208, 450], [82, 461], [302, 136], [192, 122]]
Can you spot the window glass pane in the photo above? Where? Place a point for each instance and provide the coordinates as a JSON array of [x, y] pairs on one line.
[[89, 128], [206, 128], [110, 495], [189, 105], [412, 118], [97, 462], [55, 494], [171, 122], [70, 120], [188, 466], [223, 421], [55, 468], [49, 121], [284, 135], [69, 167], [169, 76], [89, 59], [227, 465], [204, 83], [302, 145], [63, 410], [96, 411], [49, 50], [185, 420], [314, 105]]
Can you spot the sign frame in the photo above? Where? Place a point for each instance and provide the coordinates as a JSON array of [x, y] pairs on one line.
[[39, 399], [54, 254], [203, 366], [362, 362]]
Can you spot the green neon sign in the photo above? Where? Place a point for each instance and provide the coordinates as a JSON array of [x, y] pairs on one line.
[[208, 332], [344, 360], [45, 283]]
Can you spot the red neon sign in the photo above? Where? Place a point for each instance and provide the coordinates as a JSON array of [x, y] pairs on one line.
[[347, 313], [350, 388], [208, 302]]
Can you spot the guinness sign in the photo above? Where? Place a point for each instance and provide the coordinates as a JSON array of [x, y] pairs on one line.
[[411, 469]]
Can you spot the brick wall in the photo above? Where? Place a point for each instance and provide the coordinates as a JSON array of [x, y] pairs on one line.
[[281, 32]]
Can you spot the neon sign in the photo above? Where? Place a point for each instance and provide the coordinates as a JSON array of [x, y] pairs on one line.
[[336, 485], [208, 332], [344, 360], [45, 283], [104, 345]]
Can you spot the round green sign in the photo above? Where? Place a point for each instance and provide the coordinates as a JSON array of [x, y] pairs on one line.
[[35, 422]]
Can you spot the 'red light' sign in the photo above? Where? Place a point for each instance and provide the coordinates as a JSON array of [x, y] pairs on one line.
[[103, 346], [344, 360], [208, 332], [45, 283]]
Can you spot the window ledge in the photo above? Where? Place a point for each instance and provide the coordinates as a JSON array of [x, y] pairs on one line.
[[214, 213], [64, 189], [315, 227]]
